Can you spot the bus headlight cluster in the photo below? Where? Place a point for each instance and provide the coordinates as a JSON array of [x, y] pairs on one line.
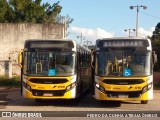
[[27, 86], [147, 87], [71, 86], [99, 87]]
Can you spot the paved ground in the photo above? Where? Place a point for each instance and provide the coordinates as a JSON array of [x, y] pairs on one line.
[[10, 99]]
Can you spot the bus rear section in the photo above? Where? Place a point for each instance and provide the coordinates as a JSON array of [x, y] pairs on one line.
[[123, 70], [49, 70]]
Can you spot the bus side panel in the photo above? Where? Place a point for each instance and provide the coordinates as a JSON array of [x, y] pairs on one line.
[[150, 92]]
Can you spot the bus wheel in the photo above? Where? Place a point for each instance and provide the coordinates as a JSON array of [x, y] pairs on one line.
[[38, 100], [144, 101]]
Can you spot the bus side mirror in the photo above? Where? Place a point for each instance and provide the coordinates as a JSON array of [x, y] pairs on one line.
[[92, 58], [154, 57], [20, 58]]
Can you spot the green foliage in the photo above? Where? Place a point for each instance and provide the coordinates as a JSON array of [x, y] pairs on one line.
[[156, 36], [28, 11], [67, 18], [157, 86], [6, 12], [59, 19], [12, 82], [155, 39]]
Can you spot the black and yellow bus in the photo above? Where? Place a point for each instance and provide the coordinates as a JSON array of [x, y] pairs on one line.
[[54, 69], [123, 69]]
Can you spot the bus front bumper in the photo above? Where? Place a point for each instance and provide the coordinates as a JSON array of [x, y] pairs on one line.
[[123, 96], [50, 94]]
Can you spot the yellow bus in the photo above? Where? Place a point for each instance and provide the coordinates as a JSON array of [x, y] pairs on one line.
[[54, 69], [123, 69]]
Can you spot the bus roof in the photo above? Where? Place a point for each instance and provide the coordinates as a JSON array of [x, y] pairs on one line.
[[122, 42], [36, 40], [55, 40], [123, 38]]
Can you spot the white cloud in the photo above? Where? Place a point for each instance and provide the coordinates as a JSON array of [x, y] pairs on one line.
[[91, 34], [94, 34], [144, 33]]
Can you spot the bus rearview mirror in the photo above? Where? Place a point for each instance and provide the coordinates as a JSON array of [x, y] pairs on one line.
[[92, 58], [20, 55], [154, 57]]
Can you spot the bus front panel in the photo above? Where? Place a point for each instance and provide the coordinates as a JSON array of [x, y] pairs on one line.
[[123, 73], [49, 87], [135, 88]]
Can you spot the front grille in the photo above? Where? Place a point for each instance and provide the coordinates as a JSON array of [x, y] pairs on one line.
[[52, 92], [133, 94], [123, 82], [48, 81]]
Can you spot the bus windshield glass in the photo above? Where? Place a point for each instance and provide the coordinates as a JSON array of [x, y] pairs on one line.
[[125, 62], [49, 63]]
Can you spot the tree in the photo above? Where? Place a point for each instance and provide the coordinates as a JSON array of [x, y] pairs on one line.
[[156, 36], [68, 20], [28, 11], [6, 12], [155, 39]]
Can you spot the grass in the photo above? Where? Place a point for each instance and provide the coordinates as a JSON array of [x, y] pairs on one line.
[[10, 82]]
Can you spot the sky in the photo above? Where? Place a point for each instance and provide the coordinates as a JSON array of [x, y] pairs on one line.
[[109, 18]]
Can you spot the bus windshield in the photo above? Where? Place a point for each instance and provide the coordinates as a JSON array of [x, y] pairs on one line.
[[123, 62], [49, 63]]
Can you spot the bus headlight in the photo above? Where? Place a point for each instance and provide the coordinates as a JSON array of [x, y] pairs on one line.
[[71, 86], [73, 79], [27, 86], [147, 87], [99, 87]]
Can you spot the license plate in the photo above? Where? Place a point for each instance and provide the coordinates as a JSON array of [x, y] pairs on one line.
[[123, 96], [47, 94]]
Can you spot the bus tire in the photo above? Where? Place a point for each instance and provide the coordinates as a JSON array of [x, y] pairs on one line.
[[144, 101], [38, 100]]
